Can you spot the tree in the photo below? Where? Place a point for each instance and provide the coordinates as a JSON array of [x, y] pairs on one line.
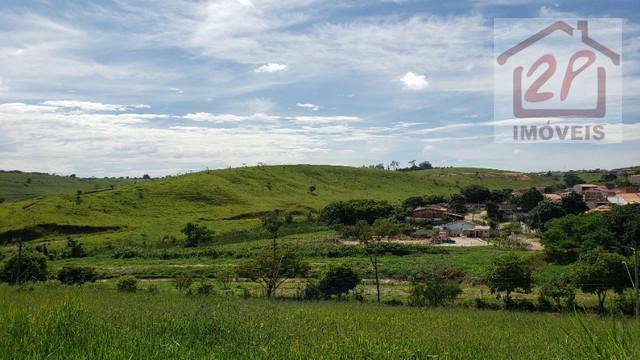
[[493, 212], [413, 202], [196, 234], [370, 237], [597, 272], [457, 204], [77, 275], [272, 224], [425, 165], [574, 204], [530, 199], [571, 179], [24, 266], [476, 194], [559, 288], [434, 199], [544, 212], [338, 280], [394, 165], [272, 268], [609, 176], [75, 248], [434, 287], [146, 177], [506, 274], [350, 212]]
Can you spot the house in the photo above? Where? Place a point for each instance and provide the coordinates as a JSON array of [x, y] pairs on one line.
[[580, 188], [598, 194], [465, 228], [624, 199], [435, 212], [554, 198]]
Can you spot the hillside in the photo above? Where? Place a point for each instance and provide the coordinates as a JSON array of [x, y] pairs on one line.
[[231, 199], [18, 185]]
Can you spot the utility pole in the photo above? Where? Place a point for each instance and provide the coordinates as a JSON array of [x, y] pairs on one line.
[[19, 273]]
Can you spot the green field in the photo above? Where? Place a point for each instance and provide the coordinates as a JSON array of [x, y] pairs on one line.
[[134, 228], [99, 323]]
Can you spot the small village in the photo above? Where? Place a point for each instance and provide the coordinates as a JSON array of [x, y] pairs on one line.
[[473, 226]]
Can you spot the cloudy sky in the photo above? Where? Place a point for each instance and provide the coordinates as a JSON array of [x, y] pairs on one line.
[[160, 87]]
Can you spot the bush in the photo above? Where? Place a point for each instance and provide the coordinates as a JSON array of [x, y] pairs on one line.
[[125, 253], [76, 275], [433, 287], [311, 291], [75, 248], [487, 305], [204, 288], [183, 282], [127, 283], [196, 235], [558, 289], [338, 280], [32, 266]]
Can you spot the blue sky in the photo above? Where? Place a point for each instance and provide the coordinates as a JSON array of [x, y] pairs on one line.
[[160, 87]]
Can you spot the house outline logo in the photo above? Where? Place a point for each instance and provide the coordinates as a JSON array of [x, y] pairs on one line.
[[532, 93]]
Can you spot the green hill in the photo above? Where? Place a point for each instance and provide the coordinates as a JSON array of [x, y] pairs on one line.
[[231, 199], [18, 185]]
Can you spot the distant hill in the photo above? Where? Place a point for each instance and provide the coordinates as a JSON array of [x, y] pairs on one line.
[[228, 199], [17, 185]]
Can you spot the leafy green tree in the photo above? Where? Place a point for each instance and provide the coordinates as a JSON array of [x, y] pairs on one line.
[[75, 248], [77, 275], [273, 268], [196, 235], [571, 179], [434, 199], [476, 194], [508, 273], [457, 204], [574, 204], [493, 212], [352, 211], [272, 224], [559, 288], [597, 272], [530, 199], [24, 267], [434, 287], [544, 212], [567, 237], [413, 202], [338, 280]]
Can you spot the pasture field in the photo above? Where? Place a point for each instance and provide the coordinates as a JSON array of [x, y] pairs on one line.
[[79, 323]]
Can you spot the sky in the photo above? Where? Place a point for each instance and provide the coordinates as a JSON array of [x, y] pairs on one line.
[[125, 88]]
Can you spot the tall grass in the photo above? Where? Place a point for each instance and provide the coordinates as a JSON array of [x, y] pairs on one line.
[[74, 323]]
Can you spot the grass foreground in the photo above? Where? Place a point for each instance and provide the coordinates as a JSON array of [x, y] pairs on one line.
[[97, 323]]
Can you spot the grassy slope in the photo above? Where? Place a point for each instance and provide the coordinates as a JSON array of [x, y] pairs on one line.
[[75, 323], [15, 185], [163, 206]]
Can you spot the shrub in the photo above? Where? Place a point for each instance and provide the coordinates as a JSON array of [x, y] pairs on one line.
[[196, 235], [127, 283], [311, 291], [433, 287], [76, 275], [31, 266], [75, 248], [125, 253], [558, 289], [204, 288], [183, 282], [338, 280]]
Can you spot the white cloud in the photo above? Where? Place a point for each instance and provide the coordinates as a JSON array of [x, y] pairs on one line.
[[309, 106], [270, 68], [414, 82], [224, 118], [92, 106], [315, 120]]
